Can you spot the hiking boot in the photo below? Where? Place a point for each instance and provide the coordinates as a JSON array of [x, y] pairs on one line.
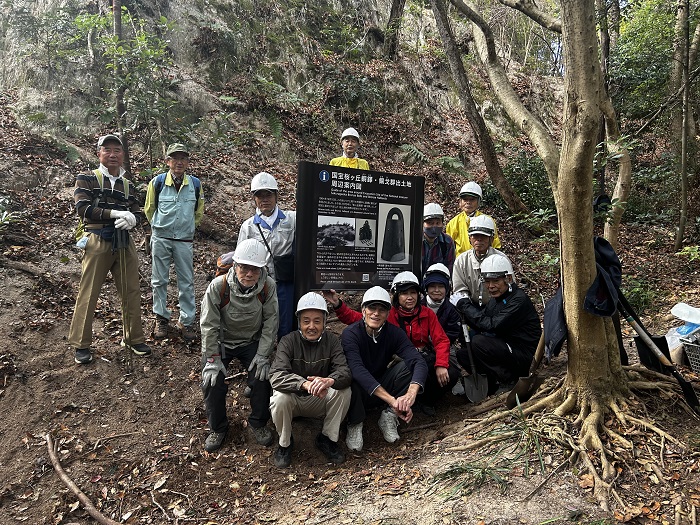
[[140, 349], [160, 330], [283, 455], [187, 332], [262, 435], [329, 448], [388, 423], [214, 441], [83, 356], [354, 440]]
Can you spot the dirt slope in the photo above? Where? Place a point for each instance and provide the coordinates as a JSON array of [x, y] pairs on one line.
[[130, 431]]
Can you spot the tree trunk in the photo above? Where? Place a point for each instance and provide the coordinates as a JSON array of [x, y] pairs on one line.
[[393, 26], [684, 6], [119, 96], [488, 150], [595, 374], [530, 124]]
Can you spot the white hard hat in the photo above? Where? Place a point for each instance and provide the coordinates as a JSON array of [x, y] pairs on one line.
[[404, 281], [495, 266], [311, 301], [376, 294], [482, 224], [432, 210], [252, 252], [263, 181], [437, 273], [472, 189], [350, 132]]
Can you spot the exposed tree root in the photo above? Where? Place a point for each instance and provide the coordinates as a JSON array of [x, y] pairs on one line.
[[84, 500], [589, 411]]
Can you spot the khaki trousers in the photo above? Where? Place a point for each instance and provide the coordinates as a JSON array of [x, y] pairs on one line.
[[332, 408], [98, 260]]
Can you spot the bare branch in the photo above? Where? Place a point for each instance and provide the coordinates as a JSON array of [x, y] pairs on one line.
[[529, 9]]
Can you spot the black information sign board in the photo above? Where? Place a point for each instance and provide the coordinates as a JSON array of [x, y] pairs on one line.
[[356, 228]]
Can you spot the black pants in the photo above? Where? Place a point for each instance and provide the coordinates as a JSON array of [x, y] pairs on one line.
[[496, 360], [433, 392], [215, 397], [396, 381]]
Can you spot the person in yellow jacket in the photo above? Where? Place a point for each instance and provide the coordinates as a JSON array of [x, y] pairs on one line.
[[458, 228], [350, 140]]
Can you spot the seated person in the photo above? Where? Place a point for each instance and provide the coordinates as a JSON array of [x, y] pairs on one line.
[[508, 326], [438, 247], [466, 274], [458, 228], [436, 284], [310, 377], [350, 141], [422, 328], [369, 345]]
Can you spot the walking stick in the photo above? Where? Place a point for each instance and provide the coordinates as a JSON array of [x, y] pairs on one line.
[[120, 244]]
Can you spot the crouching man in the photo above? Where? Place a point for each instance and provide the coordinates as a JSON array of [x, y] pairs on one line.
[[369, 346], [310, 377], [239, 320]]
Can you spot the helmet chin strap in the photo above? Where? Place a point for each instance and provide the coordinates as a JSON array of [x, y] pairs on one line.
[[375, 333]]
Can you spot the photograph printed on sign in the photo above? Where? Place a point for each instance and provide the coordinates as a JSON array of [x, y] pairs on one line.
[[392, 233]]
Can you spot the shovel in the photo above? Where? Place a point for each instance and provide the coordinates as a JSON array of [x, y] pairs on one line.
[[688, 392], [527, 386], [476, 386]]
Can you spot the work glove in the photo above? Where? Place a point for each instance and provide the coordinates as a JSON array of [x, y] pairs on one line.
[[456, 297], [127, 216], [211, 371], [122, 224], [262, 367]]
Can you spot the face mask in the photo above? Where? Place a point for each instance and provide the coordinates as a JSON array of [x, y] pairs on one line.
[[433, 231]]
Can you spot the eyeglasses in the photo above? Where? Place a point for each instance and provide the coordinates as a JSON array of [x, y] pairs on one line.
[[247, 268], [378, 308]]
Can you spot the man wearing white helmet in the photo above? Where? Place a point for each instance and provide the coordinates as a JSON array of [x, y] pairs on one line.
[[276, 229], [238, 319], [466, 274], [310, 377], [458, 228], [369, 346], [438, 247], [508, 326], [350, 141]]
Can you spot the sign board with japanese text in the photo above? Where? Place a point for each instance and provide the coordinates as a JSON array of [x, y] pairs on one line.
[[356, 228]]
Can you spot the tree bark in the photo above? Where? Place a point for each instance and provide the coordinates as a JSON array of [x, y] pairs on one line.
[[488, 150], [120, 107], [393, 26], [530, 124], [593, 355]]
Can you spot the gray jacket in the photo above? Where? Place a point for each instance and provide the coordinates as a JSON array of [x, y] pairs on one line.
[[297, 359], [248, 317]]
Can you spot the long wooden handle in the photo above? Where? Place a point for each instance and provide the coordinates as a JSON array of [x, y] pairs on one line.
[[539, 354]]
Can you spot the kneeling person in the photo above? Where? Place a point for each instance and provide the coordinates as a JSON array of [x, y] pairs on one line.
[[310, 377]]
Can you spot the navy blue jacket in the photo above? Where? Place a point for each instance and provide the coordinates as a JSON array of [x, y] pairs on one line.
[[368, 360]]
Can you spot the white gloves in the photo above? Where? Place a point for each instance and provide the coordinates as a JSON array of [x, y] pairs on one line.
[[125, 220], [211, 371], [262, 367], [457, 297]]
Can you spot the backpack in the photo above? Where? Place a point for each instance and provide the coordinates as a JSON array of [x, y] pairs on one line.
[[225, 294], [159, 182], [80, 229]]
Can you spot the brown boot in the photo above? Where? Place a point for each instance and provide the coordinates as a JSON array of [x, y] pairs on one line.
[[160, 329], [188, 333]]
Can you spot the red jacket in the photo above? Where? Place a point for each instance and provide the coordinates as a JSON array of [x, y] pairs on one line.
[[423, 329]]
